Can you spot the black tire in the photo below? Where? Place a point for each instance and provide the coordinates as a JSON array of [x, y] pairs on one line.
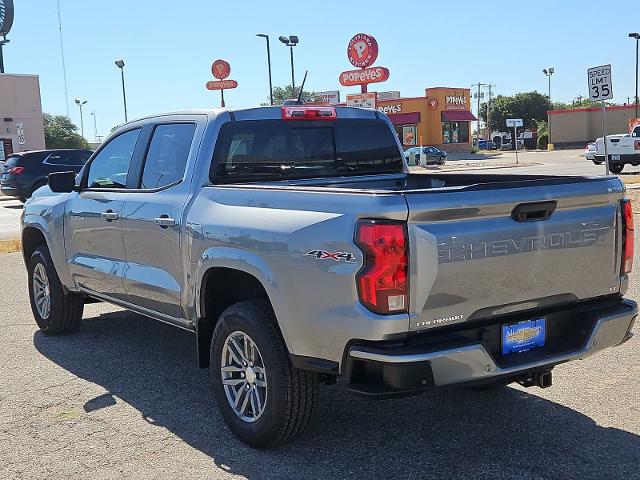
[[65, 312], [616, 167], [441, 160], [291, 394], [23, 199], [597, 162]]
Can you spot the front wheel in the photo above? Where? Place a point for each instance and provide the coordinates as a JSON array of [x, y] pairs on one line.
[[616, 167], [54, 310], [263, 399]]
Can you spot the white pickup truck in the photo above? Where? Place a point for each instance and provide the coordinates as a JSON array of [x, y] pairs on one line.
[[621, 149]]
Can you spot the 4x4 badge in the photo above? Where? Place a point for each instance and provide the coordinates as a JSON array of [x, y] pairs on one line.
[[336, 256]]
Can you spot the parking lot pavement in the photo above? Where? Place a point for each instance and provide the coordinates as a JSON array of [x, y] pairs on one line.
[[122, 398], [10, 211]]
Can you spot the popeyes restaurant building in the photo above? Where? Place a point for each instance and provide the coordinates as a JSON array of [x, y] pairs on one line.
[[442, 118]]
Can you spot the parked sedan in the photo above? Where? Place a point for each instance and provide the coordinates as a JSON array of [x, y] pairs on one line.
[[590, 153], [432, 155], [23, 173]]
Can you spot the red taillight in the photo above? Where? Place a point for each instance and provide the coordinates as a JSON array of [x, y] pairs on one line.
[[291, 112], [627, 237], [382, 281], [16, 170], [637, 144]]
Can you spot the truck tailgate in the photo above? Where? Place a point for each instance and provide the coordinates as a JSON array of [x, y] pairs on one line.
[[491, 251]]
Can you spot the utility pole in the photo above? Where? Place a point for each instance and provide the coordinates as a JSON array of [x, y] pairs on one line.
[[489, 113], [478, 97], [64, 67]]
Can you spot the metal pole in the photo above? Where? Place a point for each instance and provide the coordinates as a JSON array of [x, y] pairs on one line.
[[604, 137], [478, 130], [95, 125], [637, 77], [269, 64], [222, 98], [64, 67], [549, 116], [81, 122], [515, 140], [489, 116], [293, 80], [124, 95], [1, 57]]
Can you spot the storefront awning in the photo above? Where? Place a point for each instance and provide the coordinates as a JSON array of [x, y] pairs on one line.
[[458, 116], [404, 118]]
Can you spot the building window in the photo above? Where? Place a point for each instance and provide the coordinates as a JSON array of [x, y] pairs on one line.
[[407, 133], [455, 132]]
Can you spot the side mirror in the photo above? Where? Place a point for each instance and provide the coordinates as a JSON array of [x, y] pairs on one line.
[[62, 182]]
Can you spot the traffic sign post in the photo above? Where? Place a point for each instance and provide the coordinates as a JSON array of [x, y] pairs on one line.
[[601, 88], [515, 123]]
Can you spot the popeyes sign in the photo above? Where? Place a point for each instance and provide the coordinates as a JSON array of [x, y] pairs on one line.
[[455, 102], [362, 51]]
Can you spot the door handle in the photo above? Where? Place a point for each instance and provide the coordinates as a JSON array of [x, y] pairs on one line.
[[109, 215], [535, 211], [165, 221]]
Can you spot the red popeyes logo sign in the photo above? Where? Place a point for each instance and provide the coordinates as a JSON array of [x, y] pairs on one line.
[[433, 103], [221, 84], [364, 76], [221, 69], [362, 50]]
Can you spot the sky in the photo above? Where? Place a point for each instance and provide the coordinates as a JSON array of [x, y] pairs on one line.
[[169, 46]]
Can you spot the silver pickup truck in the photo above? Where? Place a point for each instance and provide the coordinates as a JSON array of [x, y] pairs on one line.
[[297, 247]]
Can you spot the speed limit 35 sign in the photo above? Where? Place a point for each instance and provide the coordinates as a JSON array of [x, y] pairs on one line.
[[600, 86]]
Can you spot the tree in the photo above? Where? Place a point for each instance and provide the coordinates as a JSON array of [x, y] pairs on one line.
[[280, 94], [60, 132], [531, 107]]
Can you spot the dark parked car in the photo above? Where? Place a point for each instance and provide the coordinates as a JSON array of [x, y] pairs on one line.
[[23, 173]]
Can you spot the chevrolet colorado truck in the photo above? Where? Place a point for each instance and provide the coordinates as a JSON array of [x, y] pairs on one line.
[[298, 248], [621, 150]]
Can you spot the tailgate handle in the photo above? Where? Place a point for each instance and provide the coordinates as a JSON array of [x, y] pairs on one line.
[[533, 212]]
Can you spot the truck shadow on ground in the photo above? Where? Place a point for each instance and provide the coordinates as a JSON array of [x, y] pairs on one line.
[[441, 434]]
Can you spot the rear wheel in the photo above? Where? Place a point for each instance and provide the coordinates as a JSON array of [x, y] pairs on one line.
[[263, 399], [441, 160], [616, 167], [54, 310], [597, 162]]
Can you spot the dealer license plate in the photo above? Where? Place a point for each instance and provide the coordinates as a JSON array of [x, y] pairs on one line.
[[523, 336], [615, 156]]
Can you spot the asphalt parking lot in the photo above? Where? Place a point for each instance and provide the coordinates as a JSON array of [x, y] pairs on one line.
[[122, 398]]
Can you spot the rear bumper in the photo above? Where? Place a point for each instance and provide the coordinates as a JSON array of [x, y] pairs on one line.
[[624, 158], [12, 191], [388, 370]]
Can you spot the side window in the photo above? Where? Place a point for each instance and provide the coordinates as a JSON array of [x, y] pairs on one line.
[[110, 167], [167, 156]]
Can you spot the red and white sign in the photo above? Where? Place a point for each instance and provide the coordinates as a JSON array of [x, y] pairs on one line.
[[221, 69], [362, 50], [433, 104], [332, 96], [364, 76], [455, 102], [221, 84], [362, 100]]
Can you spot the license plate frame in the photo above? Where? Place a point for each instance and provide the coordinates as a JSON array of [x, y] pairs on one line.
[[523, 336]]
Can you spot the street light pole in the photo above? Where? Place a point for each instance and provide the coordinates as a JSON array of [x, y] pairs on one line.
[[80, 104], [266, 37], [637, 37], [291, 41], [120, 64], [548, 72]]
